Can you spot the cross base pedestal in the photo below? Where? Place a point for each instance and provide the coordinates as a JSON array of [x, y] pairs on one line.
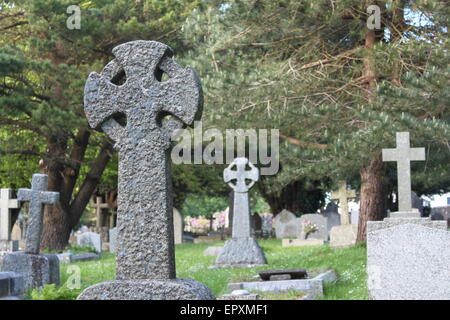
[[241, 252], [174, 289], [405, 214], [37, 269]]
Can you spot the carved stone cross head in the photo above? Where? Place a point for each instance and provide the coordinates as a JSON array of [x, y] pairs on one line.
[[143, 100], [241, 175]]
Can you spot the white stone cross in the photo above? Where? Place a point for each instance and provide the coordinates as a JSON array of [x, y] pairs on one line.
[[6, 204], [343, 195], [37, 196], [241, 212], [99, 205], [403, 155]]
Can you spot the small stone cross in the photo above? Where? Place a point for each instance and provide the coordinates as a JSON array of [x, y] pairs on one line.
[[403, 155], [98, 205], [343, 195], [241, 212], [6, 204], [37, 196]]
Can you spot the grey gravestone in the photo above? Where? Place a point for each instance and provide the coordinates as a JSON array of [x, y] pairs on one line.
[[354, 217], [145, 252], [113, 240], [286, 225], [403, 155], [37, 269], [6, 204], [90, 239], [408, 262], [332, 215], [319, 221], [241, 249], [177, 226]]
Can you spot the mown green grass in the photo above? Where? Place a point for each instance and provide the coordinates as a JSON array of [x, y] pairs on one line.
[[349, 264]]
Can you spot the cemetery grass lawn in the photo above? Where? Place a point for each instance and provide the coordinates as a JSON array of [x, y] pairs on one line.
[[349, 263]]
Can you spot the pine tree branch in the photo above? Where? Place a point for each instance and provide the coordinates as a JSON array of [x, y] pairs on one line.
[[303, 143]]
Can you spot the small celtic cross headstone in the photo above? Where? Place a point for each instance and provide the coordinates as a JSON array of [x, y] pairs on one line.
[[241, 219], [145, 237], [403, 154], [37, 196], [241, 250], [343, 195]]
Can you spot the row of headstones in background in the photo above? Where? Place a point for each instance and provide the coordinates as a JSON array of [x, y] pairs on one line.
[[241, 250], [37, 269], [407, 256]]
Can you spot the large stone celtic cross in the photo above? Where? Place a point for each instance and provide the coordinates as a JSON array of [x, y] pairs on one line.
[[241, 218], [144, 219]]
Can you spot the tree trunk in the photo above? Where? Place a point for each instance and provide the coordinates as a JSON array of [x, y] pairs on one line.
[[373, 195], [56, 229], [60, 219]]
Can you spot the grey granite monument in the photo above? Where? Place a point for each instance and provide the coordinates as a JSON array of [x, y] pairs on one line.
[[145, 239], [6, 204], [286, 225], [37, 269], [241, 250], [408, 262]]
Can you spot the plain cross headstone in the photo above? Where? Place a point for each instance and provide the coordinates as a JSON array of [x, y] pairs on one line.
[[37, 196], [403, 154], [153, 110], [241, 218], [6, 204], [342, 195], [98, 205]]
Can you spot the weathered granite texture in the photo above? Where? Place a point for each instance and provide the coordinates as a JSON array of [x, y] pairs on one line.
[[403, 155], [241, 249], [145, 249], [408, 262], [241, 252], [37, 196], [286, 225], [173, 289], [343, 235], [37, 269], [319, 221], [9, 245]]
